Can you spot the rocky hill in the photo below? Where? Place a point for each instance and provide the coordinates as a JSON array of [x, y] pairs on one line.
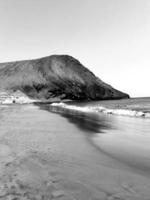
[[56, 76]]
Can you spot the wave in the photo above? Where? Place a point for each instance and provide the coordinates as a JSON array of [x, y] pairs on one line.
[[101, 109]]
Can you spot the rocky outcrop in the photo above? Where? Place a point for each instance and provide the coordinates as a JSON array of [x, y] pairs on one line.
[[56, 76]]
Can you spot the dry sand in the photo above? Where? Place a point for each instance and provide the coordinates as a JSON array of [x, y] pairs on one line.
[[42, 159]]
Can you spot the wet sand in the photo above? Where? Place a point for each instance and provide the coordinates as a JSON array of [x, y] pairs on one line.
[[46, 155]]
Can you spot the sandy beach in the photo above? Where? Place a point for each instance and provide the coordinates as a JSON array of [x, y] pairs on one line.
[[44, 156]]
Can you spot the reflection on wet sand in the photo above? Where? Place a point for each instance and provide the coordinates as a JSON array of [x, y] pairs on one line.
[[88, 122], [42, 156], [117, 137]]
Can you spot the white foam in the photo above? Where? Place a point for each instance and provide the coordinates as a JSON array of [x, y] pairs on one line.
[[123, 112], [72, 107]]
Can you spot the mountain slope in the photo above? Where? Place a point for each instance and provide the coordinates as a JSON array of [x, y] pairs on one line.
[[55, 76]]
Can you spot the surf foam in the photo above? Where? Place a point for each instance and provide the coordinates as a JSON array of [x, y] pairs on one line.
[[123, 112]]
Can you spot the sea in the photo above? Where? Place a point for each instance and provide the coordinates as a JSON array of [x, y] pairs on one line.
[[118, 128], [112, 135]]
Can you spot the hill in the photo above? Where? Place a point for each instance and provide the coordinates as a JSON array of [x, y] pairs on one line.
[[56, 76]]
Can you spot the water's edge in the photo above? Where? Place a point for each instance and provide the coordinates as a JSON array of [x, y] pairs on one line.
[[102, 109]]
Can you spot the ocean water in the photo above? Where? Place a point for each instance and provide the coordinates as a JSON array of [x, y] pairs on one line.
[[121, 129], [136, 107], [104, 144]]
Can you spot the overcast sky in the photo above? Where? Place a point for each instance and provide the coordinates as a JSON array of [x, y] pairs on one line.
[[110, 37]]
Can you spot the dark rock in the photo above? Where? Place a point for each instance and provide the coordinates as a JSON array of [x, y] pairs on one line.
[[56, 76]]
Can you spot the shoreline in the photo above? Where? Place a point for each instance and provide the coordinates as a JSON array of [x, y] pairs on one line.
[[40, 159], [105, 110], [8, 98]]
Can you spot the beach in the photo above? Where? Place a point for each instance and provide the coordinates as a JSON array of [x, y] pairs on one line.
[[48, 152]]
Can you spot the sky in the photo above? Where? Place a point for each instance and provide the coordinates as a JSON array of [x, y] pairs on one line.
[[109, 37]]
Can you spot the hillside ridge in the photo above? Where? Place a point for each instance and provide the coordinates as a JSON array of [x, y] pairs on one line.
[[55, 76]]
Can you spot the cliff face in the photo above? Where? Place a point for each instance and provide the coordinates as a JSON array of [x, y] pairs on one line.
[[59, 76]]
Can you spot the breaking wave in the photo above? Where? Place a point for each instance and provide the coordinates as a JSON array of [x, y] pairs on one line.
[[101, 109]]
